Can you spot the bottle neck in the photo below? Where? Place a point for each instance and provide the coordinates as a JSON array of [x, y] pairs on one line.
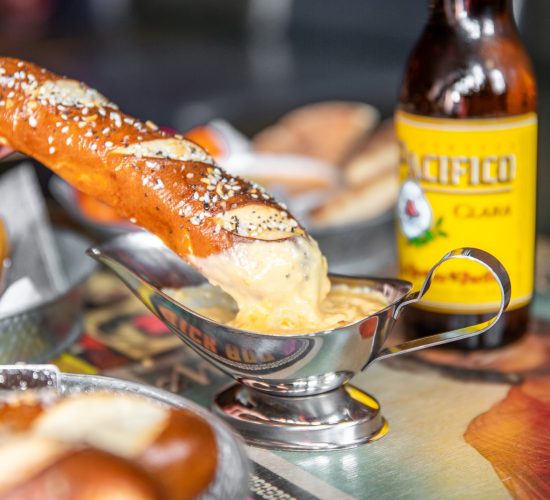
[[485, 13]]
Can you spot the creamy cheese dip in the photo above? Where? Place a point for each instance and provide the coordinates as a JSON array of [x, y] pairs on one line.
[[275, 281], [343, 305], [278, 285]]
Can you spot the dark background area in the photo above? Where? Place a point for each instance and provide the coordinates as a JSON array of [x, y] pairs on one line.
[[183, 62]]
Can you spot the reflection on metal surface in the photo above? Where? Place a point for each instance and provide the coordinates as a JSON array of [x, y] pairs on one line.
[[289, 382], [44, 330], [345, 417]]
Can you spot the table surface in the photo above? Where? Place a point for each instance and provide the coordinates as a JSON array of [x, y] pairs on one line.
[[461, 425]]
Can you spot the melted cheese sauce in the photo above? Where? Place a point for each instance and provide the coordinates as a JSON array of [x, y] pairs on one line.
[[343, 305], [71, 93], [173, 149], [258, 221], [278, 285], [276, 282]]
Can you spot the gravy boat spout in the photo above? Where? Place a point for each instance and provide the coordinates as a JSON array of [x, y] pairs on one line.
[[276, 368]]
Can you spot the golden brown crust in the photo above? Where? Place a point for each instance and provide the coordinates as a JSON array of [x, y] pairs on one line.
[[180, 460], [87, 474], [328, 131], [19, 416], [359, 203], [84, 141], [183, 458], [378, 156]]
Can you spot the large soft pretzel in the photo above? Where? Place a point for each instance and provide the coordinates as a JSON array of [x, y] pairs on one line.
[[229, 229], [165, 183]]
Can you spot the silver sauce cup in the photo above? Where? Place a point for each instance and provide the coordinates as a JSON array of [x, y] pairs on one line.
[[292, 391]]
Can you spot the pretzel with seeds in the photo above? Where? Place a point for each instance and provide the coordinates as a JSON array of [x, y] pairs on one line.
[[231, 230], [164, 183]]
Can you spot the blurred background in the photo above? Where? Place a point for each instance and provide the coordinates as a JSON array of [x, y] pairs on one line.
[[184, 62]]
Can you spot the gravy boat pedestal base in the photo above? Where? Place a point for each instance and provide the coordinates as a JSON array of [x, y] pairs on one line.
[[292, 390], [341, 418]]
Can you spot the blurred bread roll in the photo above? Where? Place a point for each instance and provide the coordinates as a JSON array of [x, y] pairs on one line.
[[358, 203], [35, 468], [295, 174], [370, 182], [99, 443], [327, 131], [19, 415], [176, 446], [378, 156]]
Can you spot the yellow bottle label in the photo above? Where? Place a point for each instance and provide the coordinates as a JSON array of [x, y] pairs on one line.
[[467, 183]]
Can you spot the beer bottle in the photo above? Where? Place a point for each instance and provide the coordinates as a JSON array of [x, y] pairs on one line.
[[467, 126]]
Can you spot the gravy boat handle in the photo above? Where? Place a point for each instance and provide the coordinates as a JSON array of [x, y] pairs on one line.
[[487, 260]]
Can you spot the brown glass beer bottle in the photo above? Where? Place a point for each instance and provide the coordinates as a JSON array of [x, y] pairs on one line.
[[467, 126]]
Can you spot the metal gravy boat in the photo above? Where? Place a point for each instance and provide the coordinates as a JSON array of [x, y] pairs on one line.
[[292, 391]]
